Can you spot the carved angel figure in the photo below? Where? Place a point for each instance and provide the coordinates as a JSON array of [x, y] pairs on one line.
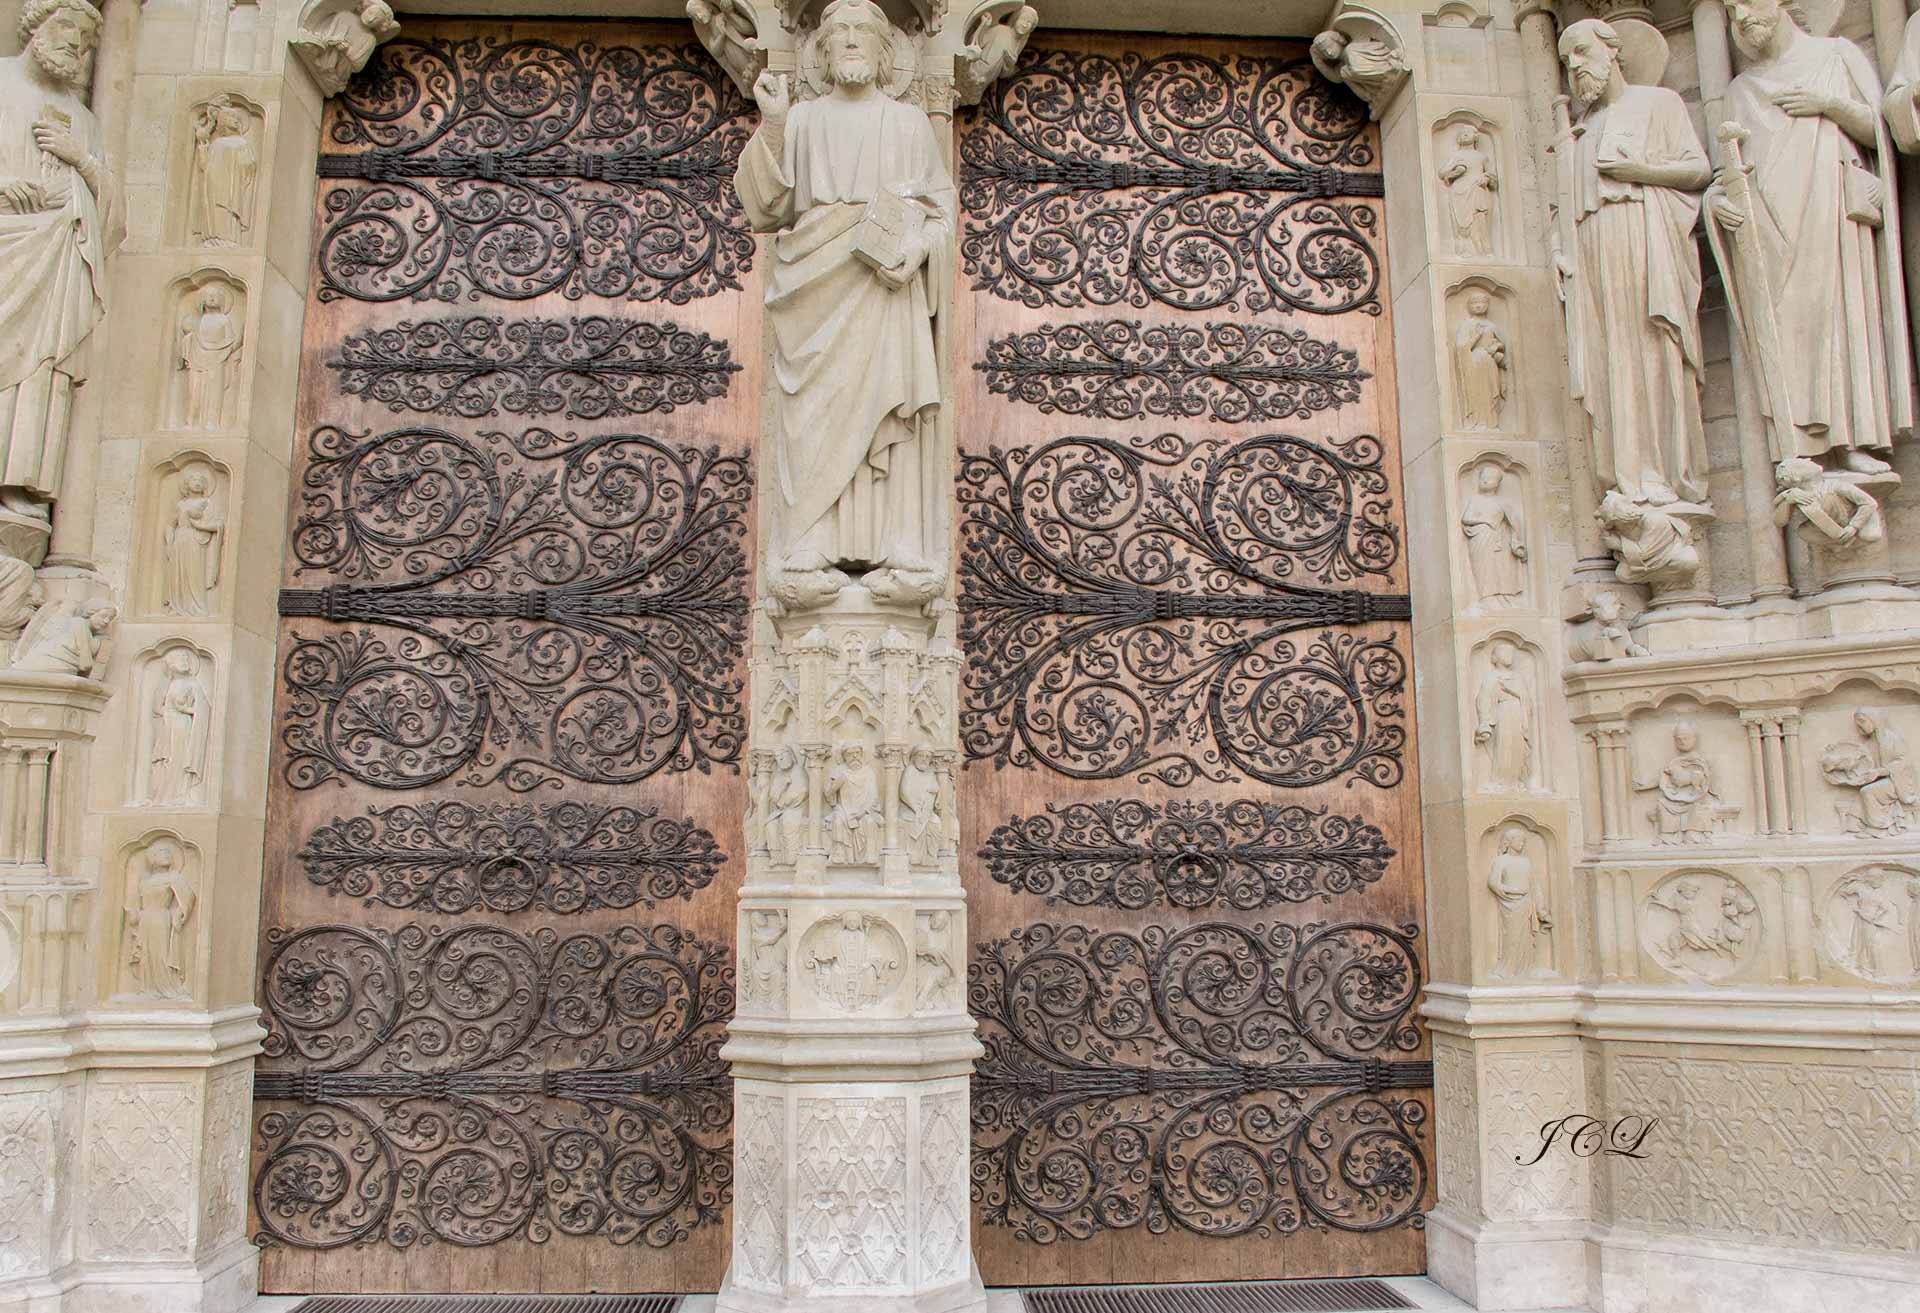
[[993, 46], [67, 639], [1372, 69], [730, 31]]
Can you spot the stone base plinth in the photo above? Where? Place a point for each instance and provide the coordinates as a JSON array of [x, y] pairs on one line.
[[851, 1196], [1493, 1266]]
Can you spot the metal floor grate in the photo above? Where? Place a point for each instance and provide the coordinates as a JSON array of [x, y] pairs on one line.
[[489, 1304], [1345, 1295]]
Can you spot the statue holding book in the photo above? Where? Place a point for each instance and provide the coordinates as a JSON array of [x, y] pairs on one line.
[[854, 185]]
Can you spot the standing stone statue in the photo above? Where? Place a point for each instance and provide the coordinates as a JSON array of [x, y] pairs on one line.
[[854, 184], [1526, 923], [157, 907], [1503, 720], [1496, 533], [226, 166], [1808, 239], [1480, 364], [182, 720], [1470, 179], [1630, 179], [208, 360], [57, 226]]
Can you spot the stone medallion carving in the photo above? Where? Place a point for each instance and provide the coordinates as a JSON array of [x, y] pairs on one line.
[[1700, 924], [855, 959], [1871, 924]]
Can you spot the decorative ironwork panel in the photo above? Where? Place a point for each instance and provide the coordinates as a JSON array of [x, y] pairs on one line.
[[583, 368], [1119, 369], [496, 167], [547, 608], [1126, 606], [475, 1085], [1133, 854], [1181, 179], [562, 858], [1218, 1078]]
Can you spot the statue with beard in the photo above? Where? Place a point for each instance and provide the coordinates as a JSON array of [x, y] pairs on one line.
[[855, 187], [1808, 238], [1630, 182], [57, 225]]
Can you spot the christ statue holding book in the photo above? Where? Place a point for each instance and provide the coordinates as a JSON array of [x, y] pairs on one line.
[[855, 187]]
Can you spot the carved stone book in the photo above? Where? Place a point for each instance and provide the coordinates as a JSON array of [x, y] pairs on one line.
[[881, 239]]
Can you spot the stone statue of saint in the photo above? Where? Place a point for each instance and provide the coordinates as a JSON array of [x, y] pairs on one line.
[[1526, 923], [190, 546], [853, 809], [1684, 810], [1496, 538], [157, 907], [1480, 364], [67, 640], [920, 796], [226, 165], [786, 808], [766, 974], [1630, 273], [182, 718], [208, 360], [1808, 239], [1503, 719], [854, 184], [1470, 180], [58, 223]]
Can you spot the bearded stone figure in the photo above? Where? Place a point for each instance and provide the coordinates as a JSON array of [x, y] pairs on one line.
[[1630, 275], [1808, 238], [854, 184], [57, 226]]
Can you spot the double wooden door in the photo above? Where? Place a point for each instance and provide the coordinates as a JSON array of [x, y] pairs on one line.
[[1189, 816]]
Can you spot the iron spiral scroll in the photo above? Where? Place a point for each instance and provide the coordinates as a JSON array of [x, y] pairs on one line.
[[472, 1085], [1214, 1078], [1127, 608]]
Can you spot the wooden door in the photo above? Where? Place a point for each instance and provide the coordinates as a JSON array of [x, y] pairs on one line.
[[1189, 818], [503, 840]]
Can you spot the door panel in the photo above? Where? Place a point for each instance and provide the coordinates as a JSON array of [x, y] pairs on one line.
[[504, 835], [1191, 825]]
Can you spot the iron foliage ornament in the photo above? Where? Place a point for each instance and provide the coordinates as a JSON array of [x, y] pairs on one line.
[[585, 368], [1219, 1079], [491, 167], [562, 858], [1125, 610], [475, 1085], [1121, 370], [1094, 180], [530, 608], [1131, 854]]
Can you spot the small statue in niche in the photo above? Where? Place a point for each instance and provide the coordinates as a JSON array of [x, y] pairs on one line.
[[1526, 921], [67, 639], [344, 41], [59, 222], [766, 962], [190, 546], [853, 809], [920, 795], [994, 43], [1834, 511], [1503, 720], [1602, 631], [933, 955], [759, 793], [157, 907], [1652, 544], [182, 721], [1881, 771], [1687, 805], [1496, 538], [786, 808], [1480, 364], [1371, 69], [1873, 916], [730, 31], [208, 361], [1470, 180], [226, 167]]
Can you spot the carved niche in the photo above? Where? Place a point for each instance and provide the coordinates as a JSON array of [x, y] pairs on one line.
[[1496, 527], [205, 353], [158, 941], [763, 963], [172, 764], [1466, 157], [1483, 366], [227, 132], [854, 961], [1509, 749], [1517, 865]]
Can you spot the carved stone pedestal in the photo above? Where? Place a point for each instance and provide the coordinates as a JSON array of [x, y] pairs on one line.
[[851, 1047]]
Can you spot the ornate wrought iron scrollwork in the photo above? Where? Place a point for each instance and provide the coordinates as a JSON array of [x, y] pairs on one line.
[[1220, 1079], [1133, 854], [476, 1085], [508, 857], [1125, 610], [1178, 179], [585, 368], [547, 608], [1121, 370], [496, 168]]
